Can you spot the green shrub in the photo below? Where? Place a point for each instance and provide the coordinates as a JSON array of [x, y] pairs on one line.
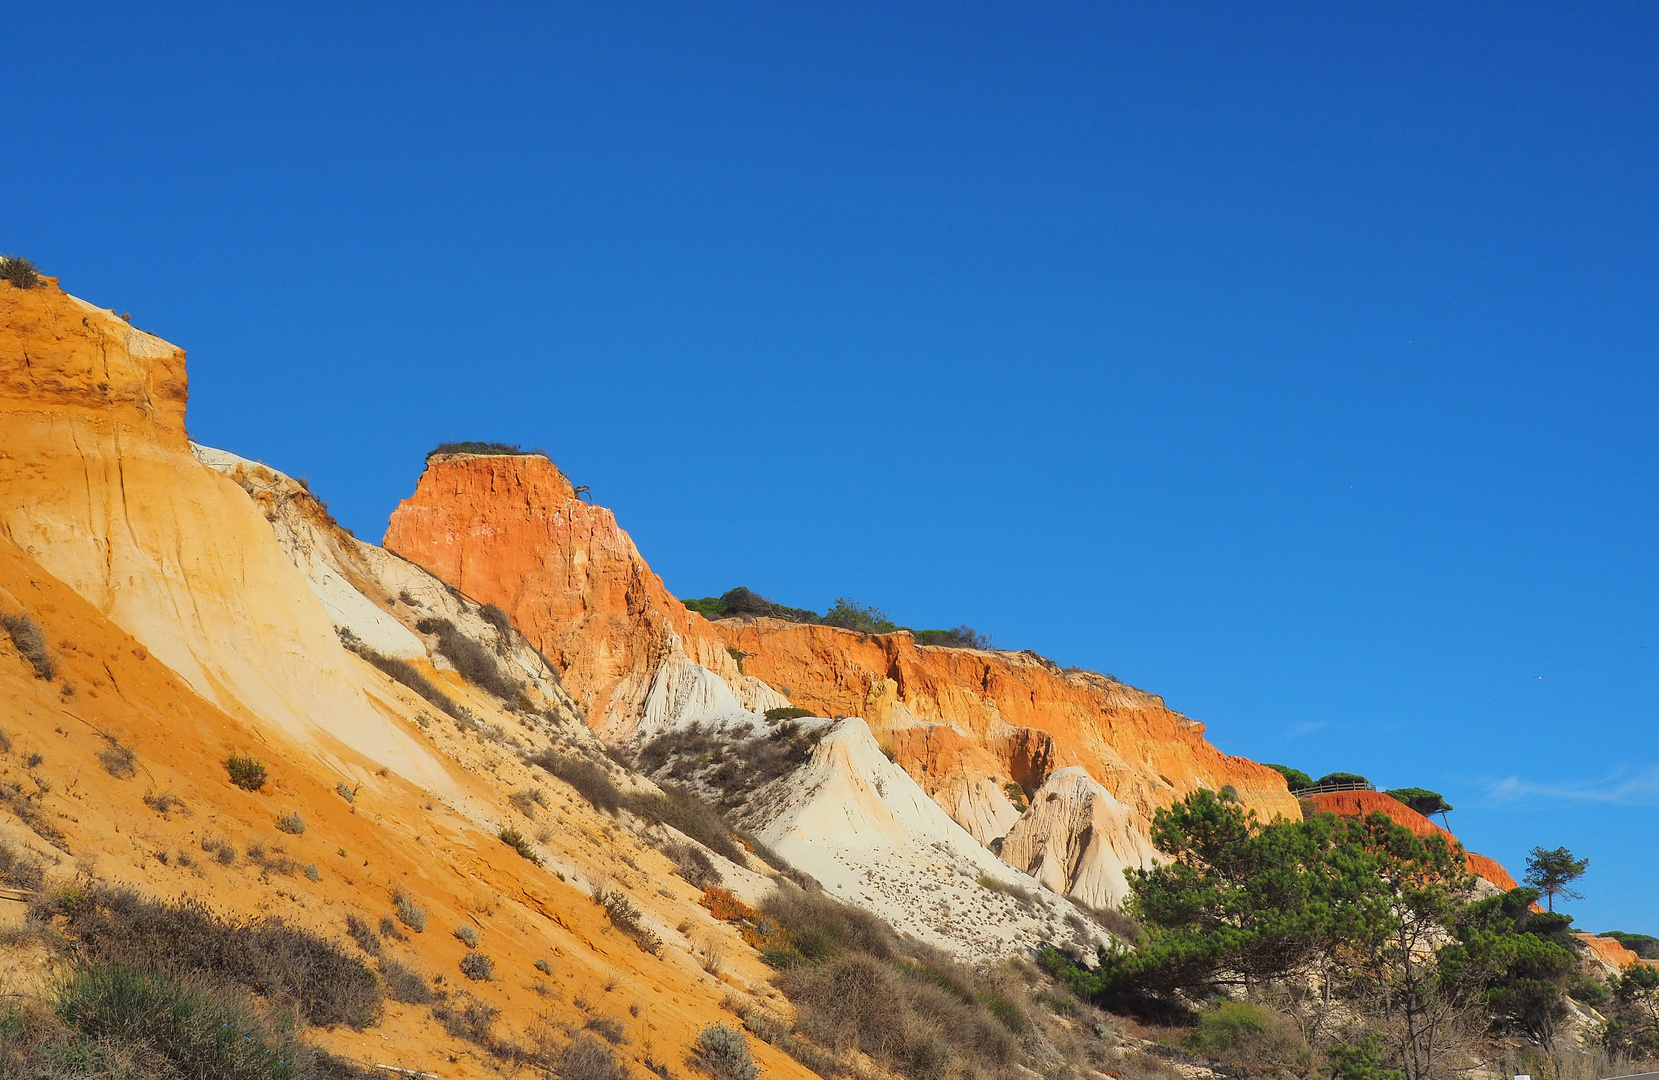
[[724, 1052], [19, 271], [957, 637], [1295, 779], [852, 615], [709, 607], [519, 843], [467, 935], [788, 712], [312, 873], [477, 967], [291, 823], [1342, 778], [30, 642], [1422, 800], [246, 772]]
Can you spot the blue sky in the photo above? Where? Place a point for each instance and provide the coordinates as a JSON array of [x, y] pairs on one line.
[[1292, 361]]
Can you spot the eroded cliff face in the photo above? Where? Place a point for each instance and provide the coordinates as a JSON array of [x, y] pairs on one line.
[[981, 731], [510, 531], [959, 718]]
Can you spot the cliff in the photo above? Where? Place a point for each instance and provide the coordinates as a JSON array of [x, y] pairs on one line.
[[978, 730], [510, 531], [191, 613]]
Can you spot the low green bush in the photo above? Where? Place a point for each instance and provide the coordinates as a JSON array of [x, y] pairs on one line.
[[291, 823], [519, 843], [477, 967], [494, 448], [247, 773], [788, 712], [1294, 778]]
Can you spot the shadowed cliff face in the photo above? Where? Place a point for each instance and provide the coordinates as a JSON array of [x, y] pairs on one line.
[[979, 730]]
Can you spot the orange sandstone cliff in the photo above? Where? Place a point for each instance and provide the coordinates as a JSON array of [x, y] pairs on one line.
[[982, 731]]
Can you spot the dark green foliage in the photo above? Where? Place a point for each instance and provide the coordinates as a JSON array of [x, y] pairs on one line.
[[849, 614], [292, 966], [1644, 945], [246, 772], [20, 271], [957, 637], [1422, 800], [709, 607], [1360, 1060], [507, 449], [30, 642], [519, 843], [1552, 873], [1294, 778], [787, 712], [476, 664], [1342, 778], [1633, 1014]]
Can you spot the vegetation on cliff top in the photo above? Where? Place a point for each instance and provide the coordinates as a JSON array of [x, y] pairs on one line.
[[498, 448], [19, 271], [846, 613]]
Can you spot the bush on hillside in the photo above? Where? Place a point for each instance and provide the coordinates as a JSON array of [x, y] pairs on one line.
[[724, 1052], [292, 966], [586, 1058], [119, 761], [1644, 945], [474, 662], [20, 271], [788, 712], [30, 642], [408, 675], [246, 772], [1342, 778]]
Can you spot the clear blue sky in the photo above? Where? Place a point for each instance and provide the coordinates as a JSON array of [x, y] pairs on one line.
[[1293, 361]]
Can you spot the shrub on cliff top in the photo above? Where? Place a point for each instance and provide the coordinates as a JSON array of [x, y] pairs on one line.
[[503, 449], [19, 271], [1422, 800], [1294, 778], [957, 637]]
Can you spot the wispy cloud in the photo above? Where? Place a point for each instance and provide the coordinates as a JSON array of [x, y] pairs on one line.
[[1639, 788], [1308, 728]]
